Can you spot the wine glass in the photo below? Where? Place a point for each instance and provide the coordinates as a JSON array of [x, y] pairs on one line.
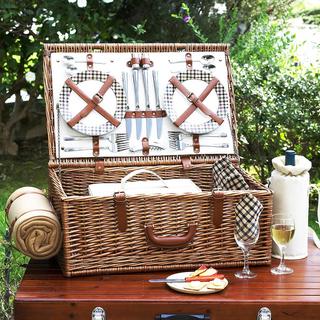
[[246, 241], [282, 231]]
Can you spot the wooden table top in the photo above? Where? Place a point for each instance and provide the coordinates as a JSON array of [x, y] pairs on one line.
[[288, 296]]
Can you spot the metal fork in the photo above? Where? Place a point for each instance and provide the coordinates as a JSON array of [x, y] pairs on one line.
[[154, 145], [176, 135], [180, 145], [115, 143]]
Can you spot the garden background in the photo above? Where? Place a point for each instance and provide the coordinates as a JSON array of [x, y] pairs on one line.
[[275, 60]]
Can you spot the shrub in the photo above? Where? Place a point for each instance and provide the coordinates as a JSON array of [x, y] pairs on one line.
[[278, 103]]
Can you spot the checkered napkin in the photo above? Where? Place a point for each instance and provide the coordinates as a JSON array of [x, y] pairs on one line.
[[248, 211], [227, 177]]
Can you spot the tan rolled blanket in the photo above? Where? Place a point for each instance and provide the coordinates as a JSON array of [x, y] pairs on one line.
[[34, 227]]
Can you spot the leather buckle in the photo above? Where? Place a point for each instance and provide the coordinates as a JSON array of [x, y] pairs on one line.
[[192, 98], [98, 97]]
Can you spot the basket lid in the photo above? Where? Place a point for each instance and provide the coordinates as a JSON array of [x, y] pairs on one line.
[[139, 104]]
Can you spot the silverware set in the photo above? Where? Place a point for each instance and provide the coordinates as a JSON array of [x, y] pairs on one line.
[[180, 145], [69, 63], [115, 143], [207, 61], [149, 121], [176, 140], [142, 120]]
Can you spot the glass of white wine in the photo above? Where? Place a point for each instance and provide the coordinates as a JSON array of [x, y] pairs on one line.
[[246, 242], [282, 231]]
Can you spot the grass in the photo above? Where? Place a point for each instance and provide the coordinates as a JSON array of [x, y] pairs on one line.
[[15, 173]]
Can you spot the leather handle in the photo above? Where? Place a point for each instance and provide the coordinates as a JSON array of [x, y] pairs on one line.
[[172, 241]]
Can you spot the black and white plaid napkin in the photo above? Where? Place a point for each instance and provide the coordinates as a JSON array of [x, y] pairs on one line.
[[227, 177], [248, 211]]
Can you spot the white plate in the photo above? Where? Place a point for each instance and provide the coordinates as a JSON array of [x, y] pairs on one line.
[[179, 286], [176, 103], [90, 81]]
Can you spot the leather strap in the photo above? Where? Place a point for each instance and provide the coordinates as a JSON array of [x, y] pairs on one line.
[[89, 61], [186, 162], [146, 114], [196, 143], [188, 57], [99, 168], [217, 201], [188, 112], [145, 62], [145, 146], [121, 210], [173, 241], [95, 146], [194, 100], [92, 103], [134, 62]]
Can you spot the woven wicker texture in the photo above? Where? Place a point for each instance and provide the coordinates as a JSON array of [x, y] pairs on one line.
[[92, 242]]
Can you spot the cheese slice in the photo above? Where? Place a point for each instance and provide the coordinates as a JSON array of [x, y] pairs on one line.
[[216, 284], [195, 285]]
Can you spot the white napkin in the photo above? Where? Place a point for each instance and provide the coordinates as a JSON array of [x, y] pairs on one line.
[[302, 165]]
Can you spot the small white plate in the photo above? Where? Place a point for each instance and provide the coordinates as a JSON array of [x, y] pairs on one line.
[[176, 103], [179, 286], [90, 81]]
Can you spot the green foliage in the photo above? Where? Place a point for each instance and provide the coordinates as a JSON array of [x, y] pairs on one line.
[[311, 16], [184, 15], [278, 102]]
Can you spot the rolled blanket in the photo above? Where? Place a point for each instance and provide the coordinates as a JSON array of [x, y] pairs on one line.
[[34, 227]]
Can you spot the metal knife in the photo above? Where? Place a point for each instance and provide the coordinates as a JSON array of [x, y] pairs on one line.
[[156, 91], [125, 88], [135, 77], [189, 279], [145, 78]]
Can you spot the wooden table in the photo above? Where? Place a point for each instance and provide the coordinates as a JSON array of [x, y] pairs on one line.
[[45, 294]]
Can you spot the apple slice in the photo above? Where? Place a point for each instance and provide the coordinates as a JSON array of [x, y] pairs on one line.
[[209, 272], [201, 269]]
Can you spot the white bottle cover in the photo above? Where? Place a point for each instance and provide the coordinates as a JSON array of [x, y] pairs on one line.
[[290, 185]]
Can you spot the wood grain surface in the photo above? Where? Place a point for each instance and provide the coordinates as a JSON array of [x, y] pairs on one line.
[[45, 293]]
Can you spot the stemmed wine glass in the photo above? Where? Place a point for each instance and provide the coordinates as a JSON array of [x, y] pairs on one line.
[[246, 241], [282, 231]]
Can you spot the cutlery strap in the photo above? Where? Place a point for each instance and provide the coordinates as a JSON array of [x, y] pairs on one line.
[[92, 104], [89, 61], [188, 112], [145, 146], [188, 57], [195, 100], [95, 146], [196, 143]]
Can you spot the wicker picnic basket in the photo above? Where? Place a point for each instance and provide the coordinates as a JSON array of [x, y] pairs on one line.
[[93, 240]]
